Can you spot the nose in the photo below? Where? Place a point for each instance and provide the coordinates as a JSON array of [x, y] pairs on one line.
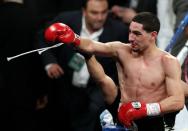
[[131, 37], [100, 17]]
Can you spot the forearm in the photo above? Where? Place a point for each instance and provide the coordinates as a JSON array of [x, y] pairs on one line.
[[86, 45], [95, 69], [107, 85], [95, 47], [108, 49], [109, 89], [185, 88], [172, 104]]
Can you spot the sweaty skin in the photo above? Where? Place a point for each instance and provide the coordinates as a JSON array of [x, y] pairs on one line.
[[143, 78], [107, 85], [145, 72]]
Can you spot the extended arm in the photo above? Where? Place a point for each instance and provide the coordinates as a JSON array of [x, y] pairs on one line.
[[59, 32], [107, 85]]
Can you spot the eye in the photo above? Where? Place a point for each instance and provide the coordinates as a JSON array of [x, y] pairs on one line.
[[137, 33]]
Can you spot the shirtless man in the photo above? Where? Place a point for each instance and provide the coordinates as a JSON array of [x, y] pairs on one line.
[[110, 90], [149, 78]]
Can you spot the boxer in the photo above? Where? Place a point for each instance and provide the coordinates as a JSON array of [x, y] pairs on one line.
[[149, 78]]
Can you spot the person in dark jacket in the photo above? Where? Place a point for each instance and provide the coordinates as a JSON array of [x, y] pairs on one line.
[[79, 101]]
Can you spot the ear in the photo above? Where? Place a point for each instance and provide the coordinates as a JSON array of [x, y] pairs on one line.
[[154, 34]]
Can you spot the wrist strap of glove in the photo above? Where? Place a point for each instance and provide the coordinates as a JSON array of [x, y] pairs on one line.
[[153, 109], [77, 40]]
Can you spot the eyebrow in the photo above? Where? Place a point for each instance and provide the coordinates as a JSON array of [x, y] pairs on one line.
[[135, 32]]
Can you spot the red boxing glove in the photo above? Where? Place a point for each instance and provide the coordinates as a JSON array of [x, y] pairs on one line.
[[135, 110], [59, 32]]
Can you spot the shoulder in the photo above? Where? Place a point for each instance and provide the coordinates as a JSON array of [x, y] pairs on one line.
[[170, 63], [167, 58]]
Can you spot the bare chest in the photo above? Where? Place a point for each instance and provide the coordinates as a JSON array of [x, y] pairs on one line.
[[144, 74]]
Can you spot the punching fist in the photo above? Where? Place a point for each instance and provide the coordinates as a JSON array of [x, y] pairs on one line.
[[131, 111], [59, 32]]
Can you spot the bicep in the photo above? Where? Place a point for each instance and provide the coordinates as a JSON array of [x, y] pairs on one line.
[[174, 88], [173, 77]]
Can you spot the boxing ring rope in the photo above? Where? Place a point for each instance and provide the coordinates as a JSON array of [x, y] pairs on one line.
[[182, 55], [183, 58], [40, 51], [184, 51], [180, 29]]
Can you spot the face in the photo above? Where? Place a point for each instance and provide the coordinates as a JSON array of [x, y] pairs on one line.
[[138, 37], [95, 14]]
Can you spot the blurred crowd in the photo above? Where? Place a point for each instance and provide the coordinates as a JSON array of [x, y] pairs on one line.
[[49, 91]]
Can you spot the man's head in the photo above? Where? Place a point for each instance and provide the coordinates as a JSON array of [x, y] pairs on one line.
[[149, 21], [143, 30], [95, 12]]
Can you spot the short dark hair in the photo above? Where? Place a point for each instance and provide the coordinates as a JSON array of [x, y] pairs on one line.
[[150, 21], [84, 3]]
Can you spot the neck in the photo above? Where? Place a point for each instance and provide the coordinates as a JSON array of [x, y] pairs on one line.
[[150, 52], [91, 31], [147, 52]]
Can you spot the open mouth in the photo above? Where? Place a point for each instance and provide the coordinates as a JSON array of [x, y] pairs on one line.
[[133, 45]]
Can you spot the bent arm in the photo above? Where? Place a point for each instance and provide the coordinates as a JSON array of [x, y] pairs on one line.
[[107, 85], [185, 88], [175, 99]]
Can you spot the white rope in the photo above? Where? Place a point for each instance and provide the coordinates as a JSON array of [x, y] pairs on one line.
[[183, 54], [40, 51]]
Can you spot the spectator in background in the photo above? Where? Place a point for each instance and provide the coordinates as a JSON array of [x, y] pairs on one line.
[[183, 57], [162, 8], [21, 77], [173, 11], [180, 8], [165, 10], [78, 98], [127, 13], [46, 10]]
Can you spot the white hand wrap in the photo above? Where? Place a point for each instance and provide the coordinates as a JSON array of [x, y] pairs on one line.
[[153, 109]]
